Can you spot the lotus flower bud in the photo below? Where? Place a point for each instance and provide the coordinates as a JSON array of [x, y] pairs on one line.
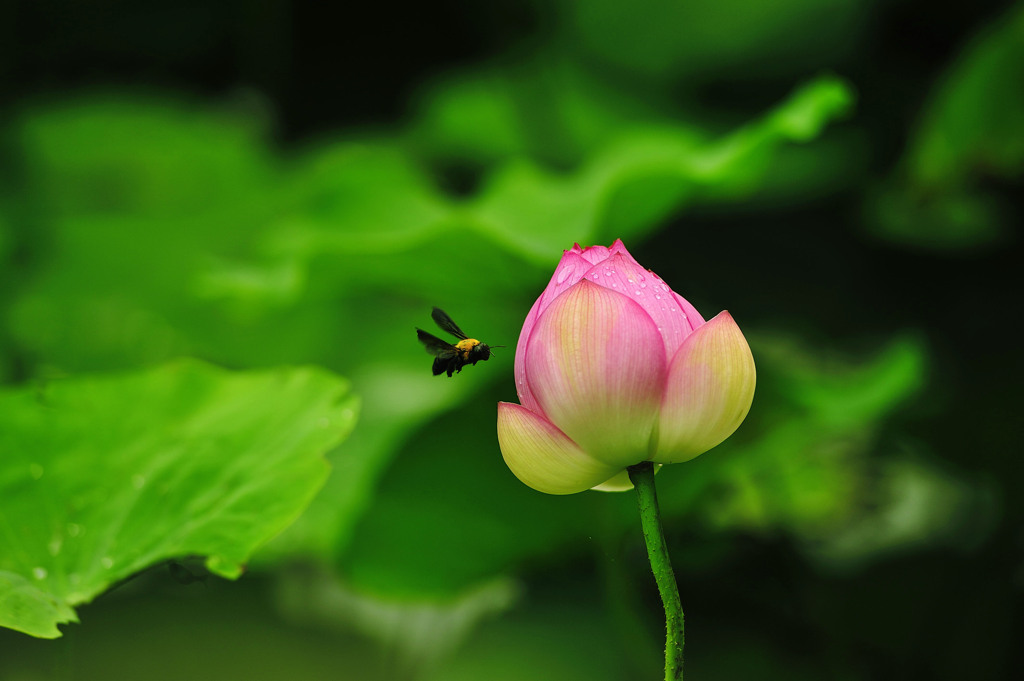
[[613, 368]]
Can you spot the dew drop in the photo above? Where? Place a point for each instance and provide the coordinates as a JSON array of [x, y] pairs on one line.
[[637, 292], [39, 572], [642, 284], [658, 296], [35, 470], [562, 275]]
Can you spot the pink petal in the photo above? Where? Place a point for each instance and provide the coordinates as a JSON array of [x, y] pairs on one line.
[[541, 455], [709, 391], [675, 318], [596, 365], [570, 270]]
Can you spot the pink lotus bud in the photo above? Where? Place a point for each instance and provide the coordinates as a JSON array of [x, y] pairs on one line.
[[614, 368]]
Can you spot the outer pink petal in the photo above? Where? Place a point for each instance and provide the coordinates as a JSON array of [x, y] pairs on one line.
[[541, 455], [675, 318], [709, 391], [570, 270], [596, 364]]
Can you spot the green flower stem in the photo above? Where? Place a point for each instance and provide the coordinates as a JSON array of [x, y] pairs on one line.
[[642, 476]]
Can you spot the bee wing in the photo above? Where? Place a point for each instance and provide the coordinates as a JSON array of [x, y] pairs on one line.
[[434, 345], [446, 323]]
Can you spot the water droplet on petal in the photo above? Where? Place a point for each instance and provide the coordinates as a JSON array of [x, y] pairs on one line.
[[561, 275]]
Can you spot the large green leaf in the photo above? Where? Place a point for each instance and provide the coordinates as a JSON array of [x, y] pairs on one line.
[[103, 476]]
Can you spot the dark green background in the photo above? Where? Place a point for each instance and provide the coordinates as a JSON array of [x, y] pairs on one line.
[[873, 269]]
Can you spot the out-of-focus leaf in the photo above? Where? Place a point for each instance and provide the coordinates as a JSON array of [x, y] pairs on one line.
[[545, 108], [971, 130], [666, 39], [154, 158], [560, 640], [974, 124], [416, 635], [631, 184], [101, 477], [914, 505], [132, 199], [803, 459]]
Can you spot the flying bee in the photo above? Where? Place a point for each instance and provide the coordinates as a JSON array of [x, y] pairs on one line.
[[451, 358]]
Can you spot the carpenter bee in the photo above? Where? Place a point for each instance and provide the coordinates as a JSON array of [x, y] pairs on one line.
[[451, 358]]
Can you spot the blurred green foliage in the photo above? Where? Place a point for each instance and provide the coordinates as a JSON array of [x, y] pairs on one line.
[[969, 133], [664, 40]]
